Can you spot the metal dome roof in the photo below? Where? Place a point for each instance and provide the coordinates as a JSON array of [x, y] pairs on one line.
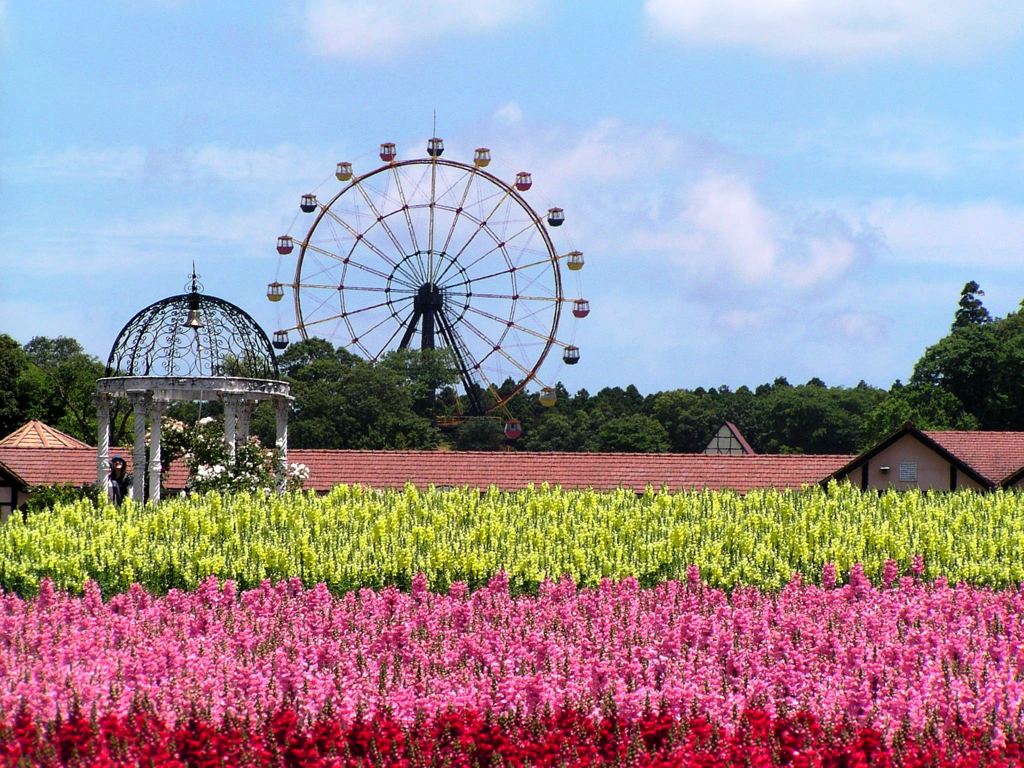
[[192, 335]]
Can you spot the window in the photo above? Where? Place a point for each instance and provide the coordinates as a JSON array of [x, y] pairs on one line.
[[908, 471]]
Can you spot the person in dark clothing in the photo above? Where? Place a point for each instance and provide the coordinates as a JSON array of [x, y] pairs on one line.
[[119, 482]]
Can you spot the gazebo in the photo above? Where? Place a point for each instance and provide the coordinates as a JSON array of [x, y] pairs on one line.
[[186, 348]]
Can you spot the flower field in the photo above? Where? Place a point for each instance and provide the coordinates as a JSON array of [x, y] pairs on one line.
[[355, 537], [541, 628]]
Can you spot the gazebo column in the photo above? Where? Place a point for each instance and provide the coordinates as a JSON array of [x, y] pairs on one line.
[[102, 401], [231, 404], [140, 401], [156, 428], [244, 419], [281, 408]]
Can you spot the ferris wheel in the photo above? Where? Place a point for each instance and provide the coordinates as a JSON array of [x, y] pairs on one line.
[[431, 253]]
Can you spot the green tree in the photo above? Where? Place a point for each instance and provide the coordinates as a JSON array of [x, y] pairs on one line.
[[928, 407], [965, 364], [688, 419], [480, 434], [13, 393], [635, 433], [343, 401], [62, 381], [971, 311]]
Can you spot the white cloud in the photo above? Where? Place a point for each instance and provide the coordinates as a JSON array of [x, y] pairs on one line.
[[192, 164], [509, 113], [983, 233], [841, 29], [725, 234], [859, 326], [117, 163], [742, 319], [730, 226], [375, 30]]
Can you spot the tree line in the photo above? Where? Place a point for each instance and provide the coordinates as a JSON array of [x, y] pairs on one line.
[[967, 380]]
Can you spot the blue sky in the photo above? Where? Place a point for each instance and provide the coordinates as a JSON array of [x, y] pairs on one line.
[[762, 188]]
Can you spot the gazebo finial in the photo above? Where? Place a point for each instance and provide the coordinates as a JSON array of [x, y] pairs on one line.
[[194, 285]]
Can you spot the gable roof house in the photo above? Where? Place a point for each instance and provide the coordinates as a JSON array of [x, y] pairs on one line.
[[729, 440], [938, 460], [37, 454]]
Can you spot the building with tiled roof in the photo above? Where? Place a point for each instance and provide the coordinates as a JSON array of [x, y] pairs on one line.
[[23, 466], [729, 440], [37, 454], [600, 471], [36, 434], [939, 460], [909, 458]]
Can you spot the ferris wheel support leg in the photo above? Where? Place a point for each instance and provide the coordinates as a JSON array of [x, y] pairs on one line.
[[410, 329], [467, 380]]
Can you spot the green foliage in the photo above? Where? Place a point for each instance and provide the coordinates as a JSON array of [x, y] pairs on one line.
[[44, 497], [342, 401], [62, 379], [968, 380], [479, 434], [928, 407], [14, 397], [636, 433], [52, 380], [211, 465], [971, 311], [356, 537], [978, 368]]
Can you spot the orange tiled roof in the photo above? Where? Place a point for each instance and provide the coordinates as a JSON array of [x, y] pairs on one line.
[[75, 466], [601, 471], [36, 434], [996, 455], [393, 469]]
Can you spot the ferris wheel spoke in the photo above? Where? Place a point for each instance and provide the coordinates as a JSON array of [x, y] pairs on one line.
[[374, 327], [517, 297], [481, 225], [430, 230], [389, 303], [401, 326], [359, 236], [530, 315], [519, 268], [374, 289], [405, 210], [365, 267], [512, 324], [499, 246], [496, 347], [458, 212], [399, 248]]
